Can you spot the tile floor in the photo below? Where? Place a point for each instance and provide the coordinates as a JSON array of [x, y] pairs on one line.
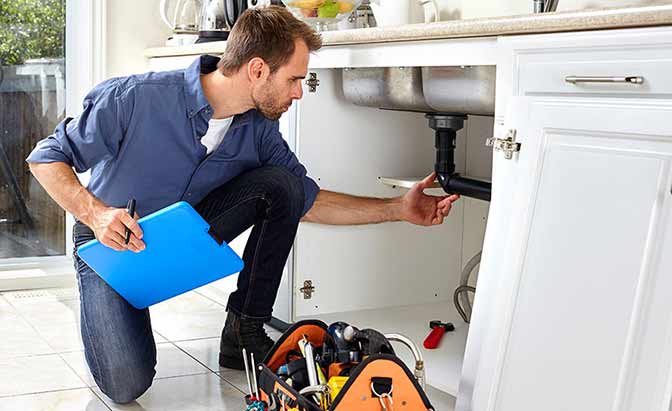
[[42, 364]]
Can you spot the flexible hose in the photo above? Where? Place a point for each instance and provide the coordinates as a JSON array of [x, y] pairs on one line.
[[464, 308], [461, 290], [419, 360]]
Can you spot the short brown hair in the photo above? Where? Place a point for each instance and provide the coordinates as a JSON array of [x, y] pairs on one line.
[[268, 33]]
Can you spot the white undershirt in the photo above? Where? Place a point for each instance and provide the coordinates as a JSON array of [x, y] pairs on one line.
[[217, 128]]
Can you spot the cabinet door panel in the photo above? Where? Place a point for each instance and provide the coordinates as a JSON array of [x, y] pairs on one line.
[[585, 324]]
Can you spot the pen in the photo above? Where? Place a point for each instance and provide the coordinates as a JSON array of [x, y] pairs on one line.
[[131, 210]]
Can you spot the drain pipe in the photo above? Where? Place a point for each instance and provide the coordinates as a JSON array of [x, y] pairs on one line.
[[446, 127]]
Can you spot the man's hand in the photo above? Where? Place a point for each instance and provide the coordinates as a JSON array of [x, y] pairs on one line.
[[422, 209], [109, 226]]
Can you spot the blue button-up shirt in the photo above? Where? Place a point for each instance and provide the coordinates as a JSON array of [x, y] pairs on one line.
[[141, 138]]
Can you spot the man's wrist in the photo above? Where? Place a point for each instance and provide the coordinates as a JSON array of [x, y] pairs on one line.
[[90, 207], [395, 209]]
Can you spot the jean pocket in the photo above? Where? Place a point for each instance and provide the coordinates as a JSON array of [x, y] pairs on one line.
[[81, 234]]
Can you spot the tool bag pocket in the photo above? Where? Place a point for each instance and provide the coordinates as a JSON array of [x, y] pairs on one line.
[[379, 382]]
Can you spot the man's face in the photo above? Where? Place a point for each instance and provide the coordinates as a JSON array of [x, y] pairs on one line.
[[274, 96]]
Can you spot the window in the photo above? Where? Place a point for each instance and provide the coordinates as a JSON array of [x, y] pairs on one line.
[[32, 102]]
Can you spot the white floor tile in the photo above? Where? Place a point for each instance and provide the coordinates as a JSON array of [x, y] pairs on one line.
[[158, 338], [272, 332], [71, 400], [77, 362], [179, 326], [206, 392], [206, 351], [171, 362], [236, 378], [220, 290], [28, 375], [188, 302], [19, 339], [50, 312], [64, 337]]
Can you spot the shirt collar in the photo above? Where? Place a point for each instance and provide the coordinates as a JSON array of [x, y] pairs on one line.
[[196, 100]]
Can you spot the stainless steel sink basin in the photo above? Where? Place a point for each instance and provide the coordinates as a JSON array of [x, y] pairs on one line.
[[397, 88], [465, 90], [458, 90]]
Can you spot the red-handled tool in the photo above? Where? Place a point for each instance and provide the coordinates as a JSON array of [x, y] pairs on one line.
[[438, 329]]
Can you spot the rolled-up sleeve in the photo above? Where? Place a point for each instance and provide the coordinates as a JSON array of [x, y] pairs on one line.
[[84, 141], [274, 150]]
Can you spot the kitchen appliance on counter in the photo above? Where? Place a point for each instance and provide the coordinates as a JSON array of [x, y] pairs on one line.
[[361, 18], [185, 22], [218, 17]]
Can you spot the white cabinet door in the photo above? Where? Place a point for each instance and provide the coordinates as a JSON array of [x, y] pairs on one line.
[[582, 318]]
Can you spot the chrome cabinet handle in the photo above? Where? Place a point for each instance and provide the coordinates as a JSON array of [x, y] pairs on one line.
[[588, 79]]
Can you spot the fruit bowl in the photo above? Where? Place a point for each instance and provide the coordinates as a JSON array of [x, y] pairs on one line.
[[322, 14]]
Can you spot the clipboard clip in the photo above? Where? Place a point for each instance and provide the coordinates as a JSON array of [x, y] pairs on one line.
[[215, 236]]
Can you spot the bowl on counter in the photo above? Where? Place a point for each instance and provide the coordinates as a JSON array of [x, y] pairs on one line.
[[322, 14]]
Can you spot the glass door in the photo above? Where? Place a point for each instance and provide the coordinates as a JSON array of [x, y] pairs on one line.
[[32, 102]]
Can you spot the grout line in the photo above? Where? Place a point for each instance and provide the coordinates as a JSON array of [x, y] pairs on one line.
[[42, 392], [217, 373], [191, 339], [193, 357], [229, 382], [95, 394], [67, 364], [208, 298]]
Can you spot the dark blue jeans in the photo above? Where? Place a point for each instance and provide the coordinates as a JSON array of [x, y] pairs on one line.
[[118, 342]]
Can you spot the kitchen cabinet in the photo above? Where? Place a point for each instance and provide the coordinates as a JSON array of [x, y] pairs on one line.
[[579, 284], [582, 294], [570, 310]]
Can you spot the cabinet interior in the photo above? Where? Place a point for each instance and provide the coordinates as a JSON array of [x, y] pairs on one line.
[[394, 277]]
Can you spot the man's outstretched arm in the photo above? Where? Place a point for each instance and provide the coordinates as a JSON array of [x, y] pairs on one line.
[[414, 207]]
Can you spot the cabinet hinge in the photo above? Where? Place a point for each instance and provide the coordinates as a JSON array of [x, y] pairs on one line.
[[508, 145], [308, 289], [312, 82]]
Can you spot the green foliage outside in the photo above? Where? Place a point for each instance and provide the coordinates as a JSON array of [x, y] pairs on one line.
[[31, 29]]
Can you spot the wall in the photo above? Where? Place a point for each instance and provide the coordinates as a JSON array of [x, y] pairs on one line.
[[132, 26]]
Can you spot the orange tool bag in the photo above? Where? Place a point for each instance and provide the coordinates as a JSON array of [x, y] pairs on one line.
[[376, 382]]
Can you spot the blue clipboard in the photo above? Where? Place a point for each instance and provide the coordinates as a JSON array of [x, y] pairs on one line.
[[181, 254]]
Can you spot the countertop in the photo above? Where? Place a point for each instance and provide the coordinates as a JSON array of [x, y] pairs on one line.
[[596, 19]]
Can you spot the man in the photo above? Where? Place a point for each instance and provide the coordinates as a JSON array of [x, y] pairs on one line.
[[207, 135]]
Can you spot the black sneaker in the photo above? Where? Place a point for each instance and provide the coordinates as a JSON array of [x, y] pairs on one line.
[[238, 334]]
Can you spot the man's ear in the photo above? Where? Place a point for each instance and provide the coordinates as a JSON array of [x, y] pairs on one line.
[[257, 69]]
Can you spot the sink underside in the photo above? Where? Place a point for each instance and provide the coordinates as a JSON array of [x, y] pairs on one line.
[[458, 90]]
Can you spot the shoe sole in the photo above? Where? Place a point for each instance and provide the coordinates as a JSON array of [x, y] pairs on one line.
[[235, 363]]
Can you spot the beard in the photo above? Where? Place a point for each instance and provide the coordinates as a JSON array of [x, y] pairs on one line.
[[268, 105]]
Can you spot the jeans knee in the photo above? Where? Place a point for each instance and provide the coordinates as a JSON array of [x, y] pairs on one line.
[[285, 190], [124, 390]]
